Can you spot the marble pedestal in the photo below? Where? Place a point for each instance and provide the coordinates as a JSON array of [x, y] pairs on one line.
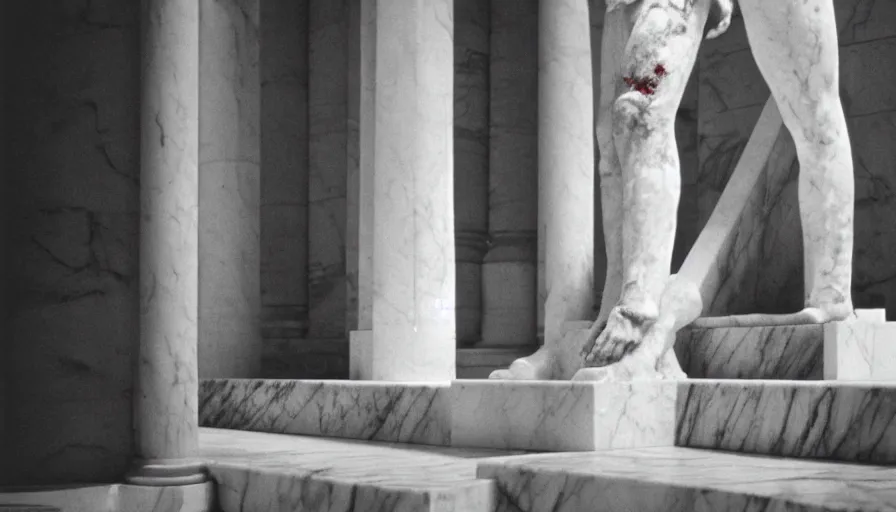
[[562, 415], [860, 349]]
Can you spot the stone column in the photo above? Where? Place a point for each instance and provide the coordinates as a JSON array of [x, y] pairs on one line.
[[353, 162], [166, 394], [229, 288], [413, 260], [508, 274], [284, 171], [327, 97], [361, 339], [565, 162], [471, 160]]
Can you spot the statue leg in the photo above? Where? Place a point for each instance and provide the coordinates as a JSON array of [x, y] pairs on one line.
[[795, 46], [617, 30], [656, 64]]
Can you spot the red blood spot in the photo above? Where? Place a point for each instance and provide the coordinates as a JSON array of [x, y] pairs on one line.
[[659, 70]]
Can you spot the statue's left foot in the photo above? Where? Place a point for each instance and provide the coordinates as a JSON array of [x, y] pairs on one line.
[[624, 332]]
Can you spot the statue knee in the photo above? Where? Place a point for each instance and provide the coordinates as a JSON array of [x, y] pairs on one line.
[[631, 110]]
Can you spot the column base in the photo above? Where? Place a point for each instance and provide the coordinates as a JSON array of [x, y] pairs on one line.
[[360, 349], [167, 472]]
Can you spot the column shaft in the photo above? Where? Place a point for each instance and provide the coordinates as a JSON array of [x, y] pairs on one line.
[[565, 162], [508, 274], [414, 264], [229, 194], [284, 168], [328, 121], [166, 395], [471, 160]]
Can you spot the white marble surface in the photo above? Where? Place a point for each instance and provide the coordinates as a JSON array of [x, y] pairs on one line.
[[229, 189], [360, 355], [414, 257], [111, 498], [377, 411], [167, 382], [508, 271], [565, 164], [860, 350], [790, 352], [685, 480], [848, 421], [562, 416], [257, 471]]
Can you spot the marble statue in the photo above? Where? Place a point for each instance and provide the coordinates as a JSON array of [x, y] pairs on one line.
[[648, 51]]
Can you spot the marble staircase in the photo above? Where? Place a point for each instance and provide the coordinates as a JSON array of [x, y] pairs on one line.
[[799, 417]]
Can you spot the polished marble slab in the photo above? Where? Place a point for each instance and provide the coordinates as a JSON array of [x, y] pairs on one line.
[[860, 350], [375, 411], [109, 498], [671, 479], [794, 352], [840, 420], [562, 415], [283, 473]]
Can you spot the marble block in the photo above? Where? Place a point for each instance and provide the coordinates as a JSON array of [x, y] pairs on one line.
[[562, 415], [674, 479], [847, 421], [860, 350], [360, 362], [793, 352], [277, 473], [110, 498], [373, 411]]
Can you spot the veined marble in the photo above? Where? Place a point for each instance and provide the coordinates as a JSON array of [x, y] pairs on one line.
[[374, 411], [776, 352], [684, 480], [110, 498], [277, 473], [848, 421], [860, 350], [413, 244], [562, 415]]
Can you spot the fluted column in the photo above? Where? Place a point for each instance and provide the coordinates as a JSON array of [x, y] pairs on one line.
[[508, 274], [413, 260], [229, 288], [565, 162], [166, 394]]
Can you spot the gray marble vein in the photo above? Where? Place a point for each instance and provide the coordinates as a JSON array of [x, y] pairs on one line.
[[848, 421], [274, 473], [680, 479], [772, 352], [375, 411]]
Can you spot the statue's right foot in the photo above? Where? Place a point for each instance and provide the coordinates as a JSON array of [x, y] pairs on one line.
[[538, 366]]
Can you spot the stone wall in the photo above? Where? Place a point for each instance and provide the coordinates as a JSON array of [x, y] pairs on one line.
[[72, 201], [732, 93]]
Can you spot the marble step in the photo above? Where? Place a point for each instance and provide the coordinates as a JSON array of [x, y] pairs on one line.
[[848, 421], [261, 472], [675, 479], [861, 349]]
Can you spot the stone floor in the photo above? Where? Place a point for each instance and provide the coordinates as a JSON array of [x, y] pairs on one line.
[[279, 473]]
